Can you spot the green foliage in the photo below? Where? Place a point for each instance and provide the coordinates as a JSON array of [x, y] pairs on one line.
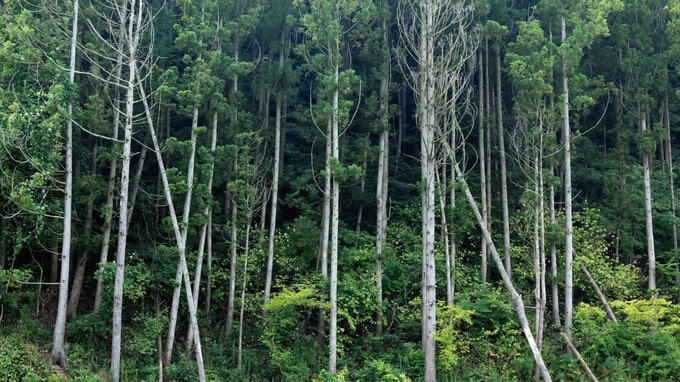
[[452, 322]]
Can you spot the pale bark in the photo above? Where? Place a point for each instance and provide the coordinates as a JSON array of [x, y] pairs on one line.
[[501, 153], [598, 291], [244, 281], [482, 163], [275, 186], [569, 234], [575, 352], [58, 354], [204, 230], [671, 184], [180, 236], [382, 180], [649, 224], [516, 297], [335, 220], [232, 266], [132, 41]]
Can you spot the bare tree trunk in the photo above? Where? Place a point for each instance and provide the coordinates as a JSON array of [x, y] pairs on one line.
[[575, 352], [180, 234], [132, 41], [646, 169], [275, 186], [325, 228], [569, 234], [482, 163], [335, 220], [244, 282], [232, 266], [204, 230], [599, 293], [382, 181], [362, 184], [671, 184], [501, 153], [58, 354], [516, 297]]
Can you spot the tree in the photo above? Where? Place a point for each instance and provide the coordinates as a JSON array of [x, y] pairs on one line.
[[326, 24], [58, 354], [438, 55]]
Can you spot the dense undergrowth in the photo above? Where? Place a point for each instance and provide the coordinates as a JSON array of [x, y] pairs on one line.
[[478, 339]]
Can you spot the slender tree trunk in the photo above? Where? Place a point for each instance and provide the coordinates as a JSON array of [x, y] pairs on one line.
[[79, 274], [671, 184], [382, 180], [427, 126], [335, 220], [208, 281], [58, 354], [482, 163], [132, 39], [569, 235], [244, 281], [646, 169], [362, 184], [135, 182], [501, 153], [203, 231], [275, 186], [180, 234], [516, 297], [325, 228], [232, 266]]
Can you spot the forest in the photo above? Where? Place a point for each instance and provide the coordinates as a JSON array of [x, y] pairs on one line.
[[339, 190]]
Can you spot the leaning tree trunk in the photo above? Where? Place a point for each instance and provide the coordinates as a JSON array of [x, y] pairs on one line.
[[180, 235], [516, 297]]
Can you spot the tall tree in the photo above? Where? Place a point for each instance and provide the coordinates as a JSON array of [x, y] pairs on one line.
[[326, 25], [435, 37], [58, 354]]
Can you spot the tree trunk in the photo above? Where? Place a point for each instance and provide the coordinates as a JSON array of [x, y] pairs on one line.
[[232, 267], [275, 186], [646, 169], [516, 297], [671, 184], [335, 220], [244, 282], [482, 163], [79, 274], [501, 153], [382, 181], [58, 354], [180, 235], [132, 40], [569, 235]]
